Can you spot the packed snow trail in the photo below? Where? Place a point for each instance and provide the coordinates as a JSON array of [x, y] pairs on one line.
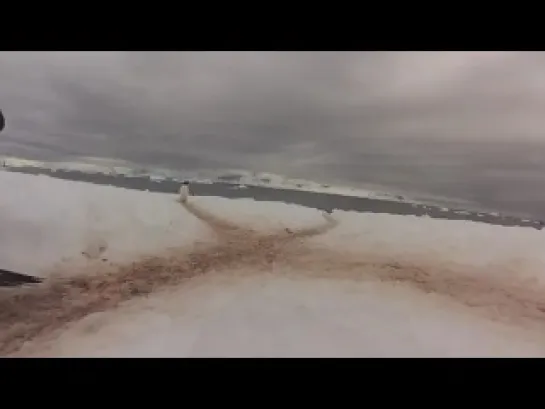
[[31, 312], [513, 301]]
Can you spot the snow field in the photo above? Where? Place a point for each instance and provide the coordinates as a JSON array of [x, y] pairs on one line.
[[374, 285]]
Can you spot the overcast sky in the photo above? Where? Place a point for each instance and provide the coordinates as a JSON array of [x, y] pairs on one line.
[[276, 111]]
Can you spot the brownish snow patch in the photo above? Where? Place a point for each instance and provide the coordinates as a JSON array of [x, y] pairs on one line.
[[510, 300], [28, 313]]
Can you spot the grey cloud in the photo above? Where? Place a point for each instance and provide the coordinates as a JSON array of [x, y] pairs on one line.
[[358, 116]]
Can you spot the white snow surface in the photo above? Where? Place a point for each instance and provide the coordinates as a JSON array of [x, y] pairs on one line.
[[288, 310]]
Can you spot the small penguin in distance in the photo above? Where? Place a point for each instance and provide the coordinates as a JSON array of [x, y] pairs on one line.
[[184, 192]]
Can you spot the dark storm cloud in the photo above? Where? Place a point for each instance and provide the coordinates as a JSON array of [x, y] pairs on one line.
[[279, 111]]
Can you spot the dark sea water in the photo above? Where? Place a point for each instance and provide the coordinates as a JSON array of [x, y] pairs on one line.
[[506, 177]]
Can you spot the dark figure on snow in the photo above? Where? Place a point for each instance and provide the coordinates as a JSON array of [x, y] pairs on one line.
[[2, 121]]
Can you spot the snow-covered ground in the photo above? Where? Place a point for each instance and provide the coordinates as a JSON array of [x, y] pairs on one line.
[[131, 273]]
